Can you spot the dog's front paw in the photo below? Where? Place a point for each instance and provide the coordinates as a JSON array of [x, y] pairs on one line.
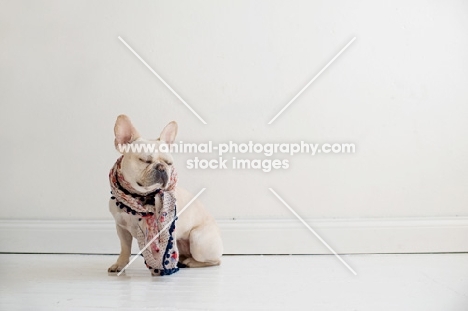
[[115, 268]]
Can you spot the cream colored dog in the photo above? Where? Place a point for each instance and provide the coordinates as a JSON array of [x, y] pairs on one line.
[[198, 238]]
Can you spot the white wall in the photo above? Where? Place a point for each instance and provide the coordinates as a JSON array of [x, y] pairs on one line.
[[399, 93]]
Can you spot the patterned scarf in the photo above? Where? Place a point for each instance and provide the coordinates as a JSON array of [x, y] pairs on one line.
[[161, 256]]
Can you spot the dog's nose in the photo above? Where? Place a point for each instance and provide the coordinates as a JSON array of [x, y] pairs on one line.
[[159, 167], [160, 174]]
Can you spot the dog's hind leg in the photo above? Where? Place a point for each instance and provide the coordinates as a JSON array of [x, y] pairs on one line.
[[125, 249], [206, 247]]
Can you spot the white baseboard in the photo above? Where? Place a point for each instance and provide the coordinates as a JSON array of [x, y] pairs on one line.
[[345, 236]]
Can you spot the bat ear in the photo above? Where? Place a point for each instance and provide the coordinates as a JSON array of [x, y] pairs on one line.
[[169, 133], [124, 131]]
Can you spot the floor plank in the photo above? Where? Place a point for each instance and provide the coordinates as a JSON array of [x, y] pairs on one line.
[[384, 282]]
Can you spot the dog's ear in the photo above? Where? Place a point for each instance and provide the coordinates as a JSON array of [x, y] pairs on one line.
[[169, 133], [124, 131]]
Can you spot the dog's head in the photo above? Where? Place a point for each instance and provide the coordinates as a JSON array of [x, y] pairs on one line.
[[143, 165]]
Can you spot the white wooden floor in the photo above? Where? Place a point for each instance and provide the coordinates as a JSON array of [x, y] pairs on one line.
[[384, 282]]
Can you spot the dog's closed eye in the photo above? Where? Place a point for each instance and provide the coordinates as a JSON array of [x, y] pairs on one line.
[[167, 162], [146, 161]]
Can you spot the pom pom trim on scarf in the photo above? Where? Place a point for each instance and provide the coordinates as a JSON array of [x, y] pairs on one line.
[[162, 256]]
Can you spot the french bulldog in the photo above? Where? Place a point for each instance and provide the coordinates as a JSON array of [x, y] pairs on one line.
[[197, 234]]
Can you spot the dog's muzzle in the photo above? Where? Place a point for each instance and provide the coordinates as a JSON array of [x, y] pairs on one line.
[[160, 174]]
